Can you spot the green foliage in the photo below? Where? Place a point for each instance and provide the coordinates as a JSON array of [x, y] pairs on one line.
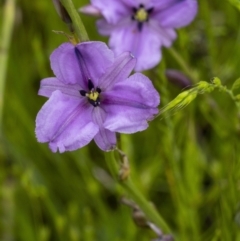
[[236, 3], [187, 163]]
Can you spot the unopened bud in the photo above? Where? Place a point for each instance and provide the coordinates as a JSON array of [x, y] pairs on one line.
[[178, 78], [216, 81], [90, 10], [204, 87], [192, 95], [178, 100], [62, 12]]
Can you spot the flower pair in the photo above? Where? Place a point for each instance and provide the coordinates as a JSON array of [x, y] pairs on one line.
[[92, 96]]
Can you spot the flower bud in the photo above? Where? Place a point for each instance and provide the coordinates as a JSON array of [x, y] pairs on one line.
[[62, 12], [177, 78], [216, 81]]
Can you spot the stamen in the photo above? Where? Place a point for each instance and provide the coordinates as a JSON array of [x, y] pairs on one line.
[[83, 92], [93, 95], [141, 15], [93, 98], [90, 84], [134, 10], [150, 10]]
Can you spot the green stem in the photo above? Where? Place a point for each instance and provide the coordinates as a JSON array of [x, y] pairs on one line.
[[77, 22], [230, 93], [5, 38], [145, 206], [135, 194]]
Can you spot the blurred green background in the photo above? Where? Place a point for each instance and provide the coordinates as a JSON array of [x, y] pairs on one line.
[[187, 163]]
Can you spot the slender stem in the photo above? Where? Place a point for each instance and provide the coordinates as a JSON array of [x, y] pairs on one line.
[[5, 38], [230, 93], [145, 206], [77, 22], [135, 194]]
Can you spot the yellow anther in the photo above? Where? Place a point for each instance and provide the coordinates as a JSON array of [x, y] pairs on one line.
[[141, 15], [93, 95]]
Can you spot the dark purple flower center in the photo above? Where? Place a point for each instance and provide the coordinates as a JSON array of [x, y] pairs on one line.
[[141, 15], [93, 94]]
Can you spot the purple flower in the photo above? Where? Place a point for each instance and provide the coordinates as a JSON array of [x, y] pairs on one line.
[[92, 97], [142, 26]]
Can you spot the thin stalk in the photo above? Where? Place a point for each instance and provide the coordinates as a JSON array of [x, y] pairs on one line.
[[230, 93], [5, 38], [135, 194], [77, 22]]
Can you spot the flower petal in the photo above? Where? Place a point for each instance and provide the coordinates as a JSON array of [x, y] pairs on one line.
[[163, 4], [130, 104], [90, 10], [65, 65], [105, 139], [75, 64], [113, 11], [98, 57], [166, 35], [119, 71], [177, 15], [49, 85], [65, 123], [104, 28], [144, 45]]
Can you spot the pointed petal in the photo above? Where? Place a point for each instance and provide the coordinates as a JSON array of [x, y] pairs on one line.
[[105, 139], [65, 65], [65, 123], [178, 14], [113, 11], [163, 4], [104, 28], [98, 57], [144, 45], [135, 3], [90, 10], [166, 35], [148, 52], [49, 85], [130, 104], [119, 71], [76, 64], [123, 38]]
